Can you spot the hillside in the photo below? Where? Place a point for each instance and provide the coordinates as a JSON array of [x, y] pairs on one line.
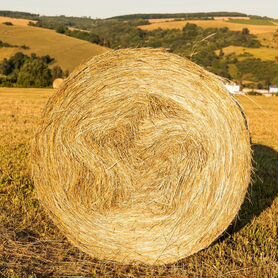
[[179, 24], [16, 21], [263, 29], [178, 15], [30, 243], [68, 52], [262, 53]]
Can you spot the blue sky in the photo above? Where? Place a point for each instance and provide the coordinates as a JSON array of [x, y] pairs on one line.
[[107, 8]]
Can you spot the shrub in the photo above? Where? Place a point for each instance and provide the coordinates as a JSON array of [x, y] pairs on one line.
[[8, 23]]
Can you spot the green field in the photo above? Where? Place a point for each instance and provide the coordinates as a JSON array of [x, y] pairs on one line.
[[31, 246]]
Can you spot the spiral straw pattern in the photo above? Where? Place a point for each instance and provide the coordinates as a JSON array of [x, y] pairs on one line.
[[142, 156]]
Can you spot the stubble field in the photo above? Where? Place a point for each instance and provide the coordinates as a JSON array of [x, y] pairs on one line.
[[16, 21], [263, 30], [179, 24], [31, 246]]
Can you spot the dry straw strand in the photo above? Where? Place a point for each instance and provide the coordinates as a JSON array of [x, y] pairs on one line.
[[142, 156]]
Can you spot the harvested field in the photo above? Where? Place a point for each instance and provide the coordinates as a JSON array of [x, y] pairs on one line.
[[254, 29], [263, 53], [68, 52], [31, 246], [269, 39], [7, 52], [151, 186], [16, 21]]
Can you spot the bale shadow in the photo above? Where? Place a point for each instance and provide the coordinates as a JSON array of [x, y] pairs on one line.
[[263, 189]]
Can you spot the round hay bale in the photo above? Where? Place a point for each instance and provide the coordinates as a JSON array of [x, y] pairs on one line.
[[57, 83], [142, 156]]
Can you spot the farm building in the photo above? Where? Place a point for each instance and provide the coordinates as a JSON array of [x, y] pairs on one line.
[[261, 91], [273, 90], [247, 90], [233, 89]]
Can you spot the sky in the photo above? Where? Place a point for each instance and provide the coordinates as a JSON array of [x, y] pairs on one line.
[[108, 8]]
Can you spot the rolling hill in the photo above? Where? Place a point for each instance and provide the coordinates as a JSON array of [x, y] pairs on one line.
[[16, 21], [74, 46], [68, 52], [263, 53], [264, 30], [179, 24]]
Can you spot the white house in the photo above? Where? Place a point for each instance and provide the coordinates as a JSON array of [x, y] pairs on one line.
[[247, 90], [273, 90], [233, 89], [261, 91]]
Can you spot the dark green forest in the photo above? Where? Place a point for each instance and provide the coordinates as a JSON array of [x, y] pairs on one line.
[[179, 15], [29, 71]]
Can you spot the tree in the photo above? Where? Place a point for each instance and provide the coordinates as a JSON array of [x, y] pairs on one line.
[[245, 31], [234, 72], [28, 71], [57, 72], [6, 67], [221, 53], [8, 23], [47, 59], [34, 73], [13, 64], [275, 81], [190, 30], [61, 29]]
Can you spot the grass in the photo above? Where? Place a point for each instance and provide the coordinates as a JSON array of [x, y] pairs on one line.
[[263, 53], [254, 29], [68, 52], [31, 246], [252, 21]]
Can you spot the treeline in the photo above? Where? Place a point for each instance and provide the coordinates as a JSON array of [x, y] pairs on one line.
[[16, 14], [22, 70], [77, 20], [53, 22], [178, 15], [261, 73], [6, 45], [82, 23], [118, 34], [112, 34]]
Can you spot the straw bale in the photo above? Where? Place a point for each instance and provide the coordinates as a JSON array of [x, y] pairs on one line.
[[142, 156], [57, 83]]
